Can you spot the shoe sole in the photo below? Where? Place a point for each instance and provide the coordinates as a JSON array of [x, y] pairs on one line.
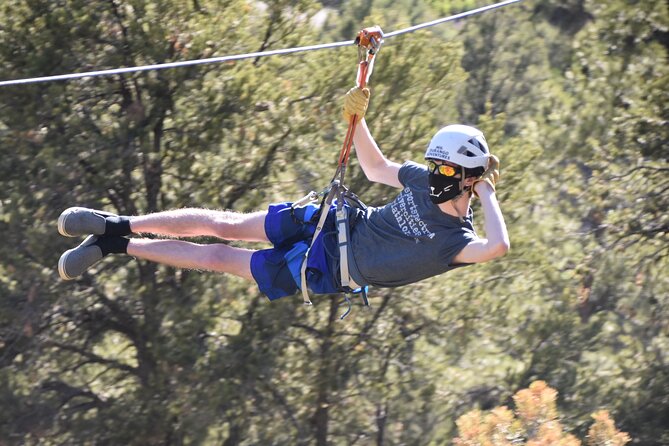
[[62, 219], [61, 265], [63, 258]]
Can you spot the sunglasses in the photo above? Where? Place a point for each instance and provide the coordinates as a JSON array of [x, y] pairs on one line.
[[442, 169]]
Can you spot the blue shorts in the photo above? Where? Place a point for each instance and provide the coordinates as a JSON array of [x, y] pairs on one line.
[[277, 270]]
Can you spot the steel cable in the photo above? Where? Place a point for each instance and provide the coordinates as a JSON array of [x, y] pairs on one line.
[[220, 59]]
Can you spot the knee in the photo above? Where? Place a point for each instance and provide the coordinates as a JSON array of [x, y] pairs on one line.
[[224, 224], [227, 259], [234, 226], [227, 228], [217, 257]]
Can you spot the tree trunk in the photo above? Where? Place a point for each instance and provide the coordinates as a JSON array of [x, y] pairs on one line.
[[325, 378]]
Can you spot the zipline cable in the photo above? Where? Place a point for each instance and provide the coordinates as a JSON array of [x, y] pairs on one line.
[[450, 18], [183, 63], [210, 60]]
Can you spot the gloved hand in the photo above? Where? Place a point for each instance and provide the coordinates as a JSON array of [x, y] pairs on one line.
[[491, 174], [355, 103]]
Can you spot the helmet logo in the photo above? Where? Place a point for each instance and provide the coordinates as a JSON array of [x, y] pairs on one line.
[[438, 152]]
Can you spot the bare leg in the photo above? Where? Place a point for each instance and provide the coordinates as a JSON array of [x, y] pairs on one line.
[[227, 225], [181, 254]]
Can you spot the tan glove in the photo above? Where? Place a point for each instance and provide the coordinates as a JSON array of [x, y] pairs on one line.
[[491, 174], [355, 103]]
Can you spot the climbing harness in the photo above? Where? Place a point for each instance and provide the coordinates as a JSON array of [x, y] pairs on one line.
[[221, 59], [369, 42]]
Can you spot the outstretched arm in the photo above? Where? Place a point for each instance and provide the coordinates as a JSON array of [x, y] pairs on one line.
[[376, 166], [496, 243]]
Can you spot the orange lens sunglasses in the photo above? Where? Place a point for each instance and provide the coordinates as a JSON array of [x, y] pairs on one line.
[[442, 169]]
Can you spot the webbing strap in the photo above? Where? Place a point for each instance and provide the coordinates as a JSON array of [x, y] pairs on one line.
[[342, 235], [325, 208]]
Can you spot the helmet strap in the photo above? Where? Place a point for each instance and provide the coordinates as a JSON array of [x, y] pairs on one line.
[[462, 192]]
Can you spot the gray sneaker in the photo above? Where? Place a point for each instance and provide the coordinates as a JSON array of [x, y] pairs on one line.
[[77, 221], [74, 262]]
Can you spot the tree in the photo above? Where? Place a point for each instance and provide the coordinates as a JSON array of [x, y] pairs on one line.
[[534, 422], [139, 354], [134, 353]]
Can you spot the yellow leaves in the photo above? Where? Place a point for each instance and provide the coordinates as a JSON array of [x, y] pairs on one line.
[[499, 427], [551, 434], [534, 423], [472, 428], [536, 404], [604, 432]]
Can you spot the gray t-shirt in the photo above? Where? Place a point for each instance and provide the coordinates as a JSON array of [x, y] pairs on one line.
[[410, 238]]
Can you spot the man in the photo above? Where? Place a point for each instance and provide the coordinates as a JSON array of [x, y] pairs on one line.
[[425, 231]]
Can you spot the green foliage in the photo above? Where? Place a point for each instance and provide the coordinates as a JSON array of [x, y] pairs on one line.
[[457, 6], [572, 98]]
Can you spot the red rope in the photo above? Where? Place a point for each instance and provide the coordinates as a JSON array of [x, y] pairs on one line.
[[345, 153]]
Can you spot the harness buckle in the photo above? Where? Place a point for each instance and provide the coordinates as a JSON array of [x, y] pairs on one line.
[[309, 198]]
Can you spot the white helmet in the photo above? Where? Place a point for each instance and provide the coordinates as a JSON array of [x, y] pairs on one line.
[[460, 144]]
